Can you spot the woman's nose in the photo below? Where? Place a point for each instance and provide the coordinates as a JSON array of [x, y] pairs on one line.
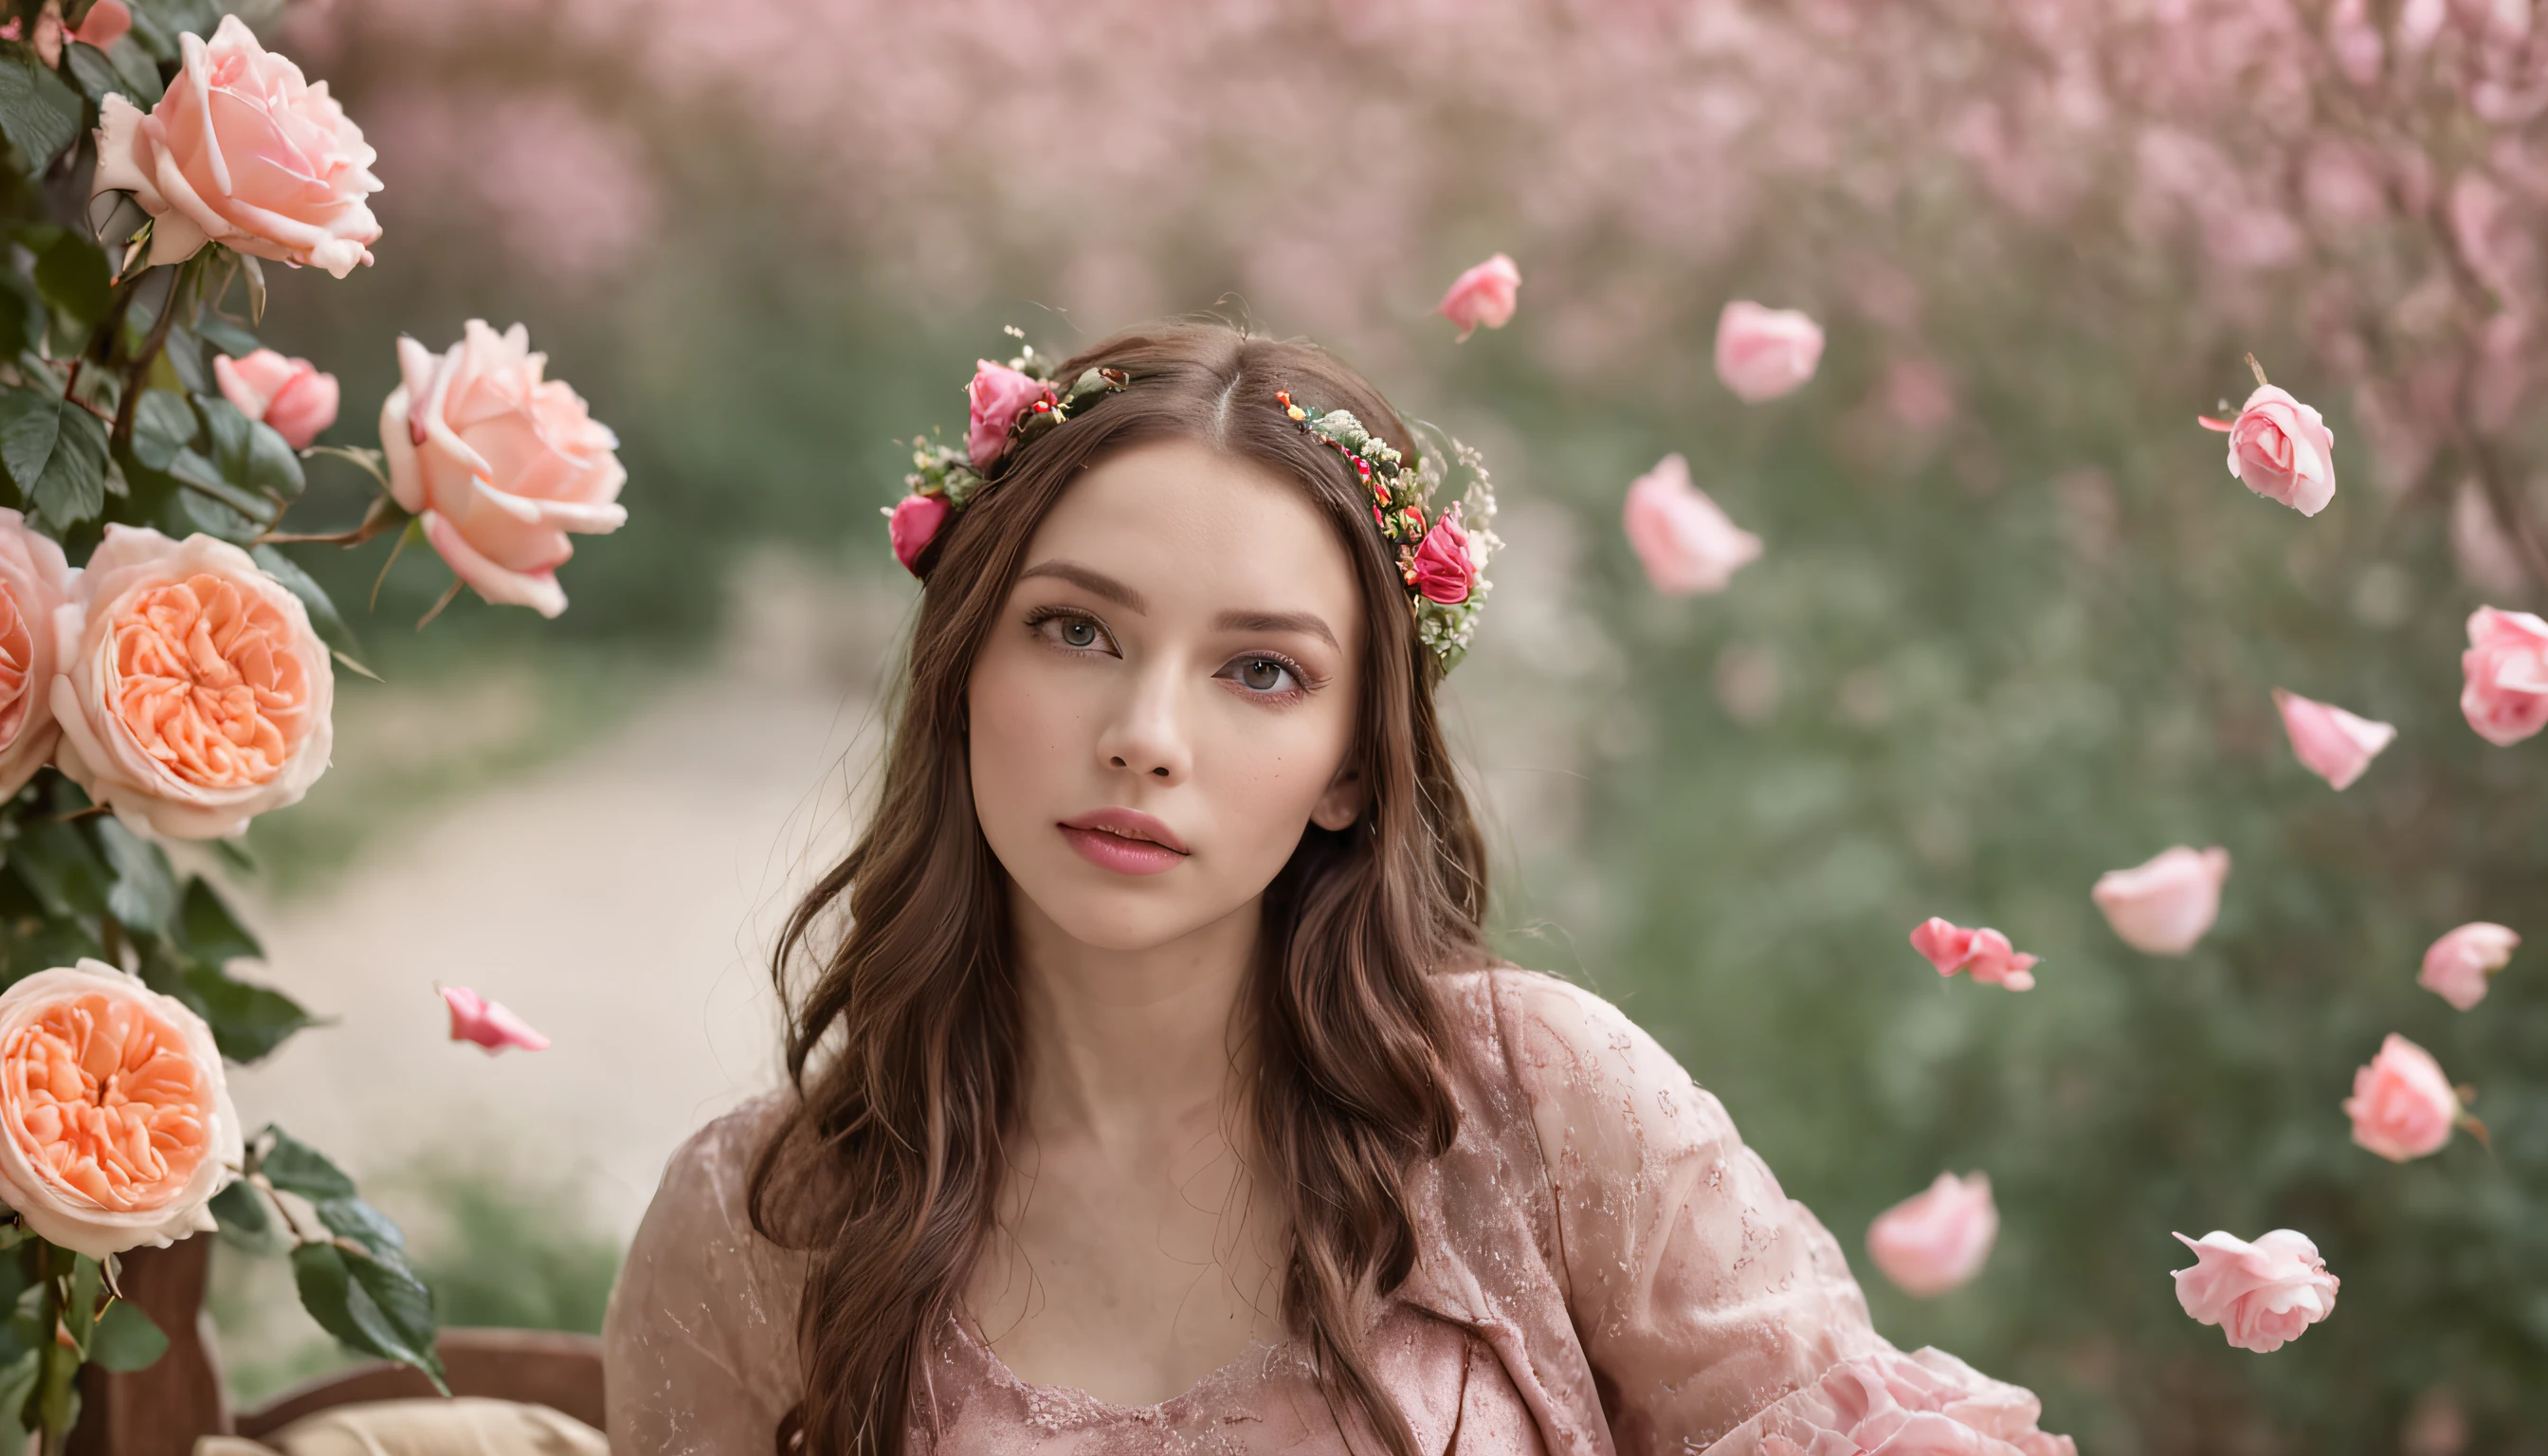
[[1147, 736]]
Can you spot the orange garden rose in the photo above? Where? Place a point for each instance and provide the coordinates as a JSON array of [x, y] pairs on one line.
[[116, 1123], [35, 578], [193, 693]]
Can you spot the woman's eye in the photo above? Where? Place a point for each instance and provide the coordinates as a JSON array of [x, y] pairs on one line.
[[1079, 633], [1262, 675]]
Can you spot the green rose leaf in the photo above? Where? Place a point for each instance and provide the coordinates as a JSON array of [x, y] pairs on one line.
[[56, 451], [55, 862], [143, 894], [90, 67], [372, 1305], [125, 1338], [164, 424], [297, 1168], [209, 933], [250, 454], [71, 272], [40, 115], [248, 1021], [323, 616], [227, 335], [212, 504], [138, 72], [240, 1211]]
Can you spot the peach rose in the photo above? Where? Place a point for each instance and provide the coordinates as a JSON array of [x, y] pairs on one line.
[[1484, 296], [1685, 542], [498, 462], [2401, 1106], [290, 395], [995, 399], [2281, 449], [1763, 353], [193, 694], [2456, 966], [35, 581], [2330, 742], [1933, 1241], [243, 151], [116, 1124], [2164, 906], [2505, 696], [2262, 1294]]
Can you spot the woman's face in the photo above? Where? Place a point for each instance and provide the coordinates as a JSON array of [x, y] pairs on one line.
[[1168, 697]]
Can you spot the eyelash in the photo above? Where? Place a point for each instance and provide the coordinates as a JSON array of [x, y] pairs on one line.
[[1303, 684]]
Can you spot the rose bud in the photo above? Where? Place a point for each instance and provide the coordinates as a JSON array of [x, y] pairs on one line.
[[2281, 449], [289, 395], [912, 523]]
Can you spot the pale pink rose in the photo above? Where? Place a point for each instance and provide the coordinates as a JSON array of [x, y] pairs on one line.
[[2164, 906], [489, 1023], [2504, 696], [998, 395], [1933, 1241], [1924, 1403], [35, 581], [1483, 296], [2331, 743], [107, 22], [290, 395], [1687, 543], [116, 1123], [241, 152], [500, 462], [1985, 952], [2401, 1106], [2281, 449], [2261, 1295], [912, 523], [1444, 569], [191, 694], [1763, 353], [2457, 965]]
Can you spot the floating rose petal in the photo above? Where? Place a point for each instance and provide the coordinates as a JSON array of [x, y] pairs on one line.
[[1985, 952], [1763, 353], [2506, 671], [1933, 1241], [2162, 907], [2401, 1106], [2457, 965], [1484, 296], [474, 1018], [2331, 743], [1685, 542], [2263, 1294]]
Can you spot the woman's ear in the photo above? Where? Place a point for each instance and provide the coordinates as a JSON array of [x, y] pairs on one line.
[[1344, 802]]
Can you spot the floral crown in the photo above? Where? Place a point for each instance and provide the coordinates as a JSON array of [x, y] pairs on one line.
[[1442, 557]]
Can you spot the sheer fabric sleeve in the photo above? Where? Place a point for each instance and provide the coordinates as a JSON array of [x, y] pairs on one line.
[[700, 1342], [1717, 1313]]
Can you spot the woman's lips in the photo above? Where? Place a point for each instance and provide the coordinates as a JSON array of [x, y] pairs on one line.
[[1124, 841]]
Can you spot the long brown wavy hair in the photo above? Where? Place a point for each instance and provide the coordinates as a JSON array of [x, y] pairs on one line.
[[899, 978]]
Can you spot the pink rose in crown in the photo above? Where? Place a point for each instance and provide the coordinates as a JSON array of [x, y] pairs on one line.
[[913, 524], [489, 1024], [2261, 1295], [2281, 449], [2506, 671], [2401, 1106], [1763, 353], [243, 151], [498, 462], [1484, 296], [2330, 742], [999, 395], [1933, 1241], [1684, 540], [290, 395], [35, 581], [2457, 965], [1985, 952], [1446, 569], [2163, 906]]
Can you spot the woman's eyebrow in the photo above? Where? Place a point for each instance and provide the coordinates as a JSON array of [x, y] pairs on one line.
[[1088, 580], [1276, 621]]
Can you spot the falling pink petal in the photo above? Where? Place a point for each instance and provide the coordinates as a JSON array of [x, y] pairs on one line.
[[2261, 1295], [474, 1018], [1946, 945], [1483, 296], [1763, 353], [2164, 906], [2457, 965], [1933, 1241], [2331, 743], [1985, 952]]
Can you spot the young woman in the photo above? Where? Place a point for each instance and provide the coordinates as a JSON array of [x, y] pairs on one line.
[[1152, 1087]]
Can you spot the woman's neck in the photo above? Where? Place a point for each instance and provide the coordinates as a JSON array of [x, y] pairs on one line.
[[1123, 1045]]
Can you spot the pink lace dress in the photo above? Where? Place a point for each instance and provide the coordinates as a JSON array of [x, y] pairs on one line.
[[1605, 1268]]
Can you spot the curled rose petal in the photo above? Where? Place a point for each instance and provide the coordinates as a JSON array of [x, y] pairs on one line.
[[1946, 945], [1763, 353], [2457, 965], [2330, 742], [2505, 692], [1686, 544], [2401, 1106], [2261, 1295], [2164, 906], [1484, 296], [1934, 1242], [1985, 952], [489, 1023]]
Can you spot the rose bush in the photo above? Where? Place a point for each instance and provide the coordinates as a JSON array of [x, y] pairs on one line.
[[498, 462]]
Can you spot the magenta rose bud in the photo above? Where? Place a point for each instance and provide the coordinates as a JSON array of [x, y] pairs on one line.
[[2282, 450], [2401, 1106], [1484, 296], [2456, 966], [1444, 569], [2261, 1295], [999, 395], [2506, 668], [913, 524]]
